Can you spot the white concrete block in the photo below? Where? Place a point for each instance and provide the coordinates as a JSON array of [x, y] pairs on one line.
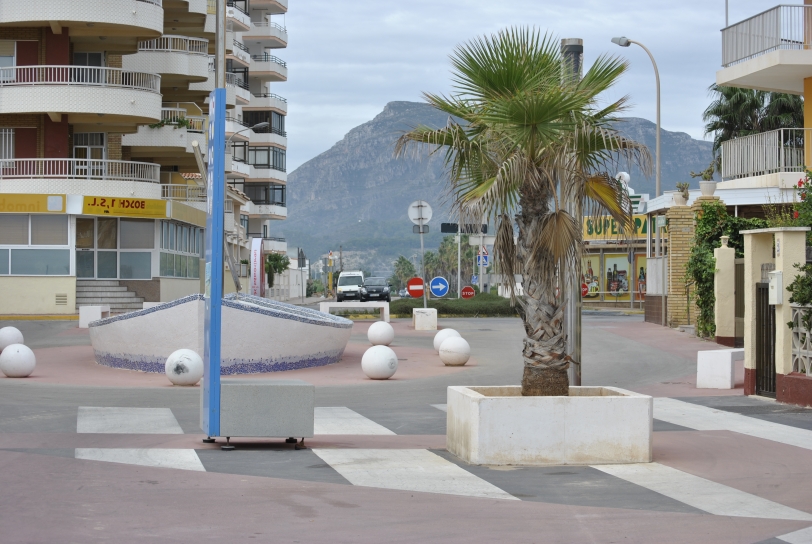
[[325, 307], [716, 369], [594, 425], [265, 407], [92, 313], [424, 319]]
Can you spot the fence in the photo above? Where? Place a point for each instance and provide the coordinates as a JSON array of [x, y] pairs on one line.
[[801, 342], [91, 76], [782, 27], [765, 153]]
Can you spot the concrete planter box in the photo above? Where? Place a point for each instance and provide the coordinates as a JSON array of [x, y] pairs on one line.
[[594, 425]]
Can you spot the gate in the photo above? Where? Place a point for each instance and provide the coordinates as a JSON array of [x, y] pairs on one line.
[[765, 342], [739, 304]]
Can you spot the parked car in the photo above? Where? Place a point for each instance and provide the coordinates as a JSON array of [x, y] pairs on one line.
[[349, 285], [375, 289], [404, 293]]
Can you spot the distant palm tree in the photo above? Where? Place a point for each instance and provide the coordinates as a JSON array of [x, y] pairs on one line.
[[275, 263], [533, 148], [737, 112]]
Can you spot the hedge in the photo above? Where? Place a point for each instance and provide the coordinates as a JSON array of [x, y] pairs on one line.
[[484, 305]]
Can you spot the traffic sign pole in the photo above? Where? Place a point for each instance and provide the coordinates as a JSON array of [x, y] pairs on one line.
[[459, 261]]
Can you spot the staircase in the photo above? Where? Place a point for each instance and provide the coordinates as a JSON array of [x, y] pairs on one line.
[[107, 292]]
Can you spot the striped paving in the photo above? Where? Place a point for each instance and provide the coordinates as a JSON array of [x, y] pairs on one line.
[[341, 420], [145, 457], [703, 418], [408, 470], [705, 495], [103, 420], [804, 536]]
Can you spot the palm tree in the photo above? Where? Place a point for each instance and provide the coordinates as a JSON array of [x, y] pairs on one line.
[[737, 112], [534, 149], [275, 263]]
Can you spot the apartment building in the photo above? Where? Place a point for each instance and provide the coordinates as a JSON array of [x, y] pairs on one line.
[[101, 201]]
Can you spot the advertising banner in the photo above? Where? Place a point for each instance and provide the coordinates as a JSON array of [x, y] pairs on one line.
[[257, 284], [606, 228], [31, 203], [618, 275], [640, 277], [125, 207], [591, 276]]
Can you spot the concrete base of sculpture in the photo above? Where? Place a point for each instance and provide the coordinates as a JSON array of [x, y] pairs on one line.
[[594, 425], [716, 369], [424, 319], [265, 408], [258, 335]]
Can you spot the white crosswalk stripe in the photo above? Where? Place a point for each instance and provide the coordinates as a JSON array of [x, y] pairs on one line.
[[804, 536], [342, 420], [93, 419], [711, 497], [182, 459], [703, 418], [408, 470]]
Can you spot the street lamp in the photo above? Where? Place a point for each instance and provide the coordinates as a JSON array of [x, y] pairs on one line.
[[626, 42], [258, 125]]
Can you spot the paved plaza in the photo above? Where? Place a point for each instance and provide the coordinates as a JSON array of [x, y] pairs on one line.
[[89, 453]]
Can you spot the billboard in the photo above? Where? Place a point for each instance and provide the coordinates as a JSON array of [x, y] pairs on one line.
[[618, 276], [591, 276], [607, 228]]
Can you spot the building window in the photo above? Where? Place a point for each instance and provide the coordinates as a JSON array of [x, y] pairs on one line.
[[6, 146], [8, 51], [181, 250], [26, 235], [267, 157]]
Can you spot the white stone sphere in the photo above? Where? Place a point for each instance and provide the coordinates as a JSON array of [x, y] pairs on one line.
[[379, 363], [455, 351], [381, 333], [441, 336], [10, 335], [17, 361], [184, 367]]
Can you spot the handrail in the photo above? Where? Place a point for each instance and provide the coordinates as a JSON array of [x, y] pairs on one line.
[[765, 153], [176, 44], [271, 95], [266, 57], [233, 4], [240, 46], [781, 27], [80, 169], [189, 193], [86, 76]]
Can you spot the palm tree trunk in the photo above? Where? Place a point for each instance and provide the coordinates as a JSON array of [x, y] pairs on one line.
[[545, 346]]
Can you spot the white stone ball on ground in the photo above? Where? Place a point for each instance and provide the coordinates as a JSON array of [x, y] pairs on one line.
[[184, 367], [455, 351], [381, 333], [17, 361], [442, 335], [10, 335], [379, 363]]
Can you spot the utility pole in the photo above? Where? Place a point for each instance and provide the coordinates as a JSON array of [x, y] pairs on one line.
[[459, 260], [423, 263]]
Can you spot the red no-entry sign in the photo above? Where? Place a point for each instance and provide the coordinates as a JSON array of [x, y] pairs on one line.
[[415, 287], [468, 292]]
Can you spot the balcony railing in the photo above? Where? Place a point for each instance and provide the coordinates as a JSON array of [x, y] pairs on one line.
[[86, 76], [271, 95], [240, 46], [271, 238], [234, 79], [270, 130], [80, 169], [266, 57], [268, 24], [782, 27], [177, 116], [233, 4], [766, 153], [188, 193], [176, 44]]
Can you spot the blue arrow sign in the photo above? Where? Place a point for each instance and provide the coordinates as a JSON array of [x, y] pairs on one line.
[[439, 287]]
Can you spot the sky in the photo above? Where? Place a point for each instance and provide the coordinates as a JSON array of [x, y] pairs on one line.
[[346, 60]]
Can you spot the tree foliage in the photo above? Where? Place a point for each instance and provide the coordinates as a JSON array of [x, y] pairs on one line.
[[713, 222], [275, 263]]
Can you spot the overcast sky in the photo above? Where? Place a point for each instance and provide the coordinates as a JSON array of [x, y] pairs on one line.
[[346, 60]]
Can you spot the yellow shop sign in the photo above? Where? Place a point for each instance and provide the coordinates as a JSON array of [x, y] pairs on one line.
[[124, 207], [604, 228], [25, 203]]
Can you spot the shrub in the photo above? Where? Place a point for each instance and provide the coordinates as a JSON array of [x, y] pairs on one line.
[[483, 305]]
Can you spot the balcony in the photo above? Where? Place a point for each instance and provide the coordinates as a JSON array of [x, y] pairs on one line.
[[771, 51], [268, 136], [121, 22], [266, 211], [183, 193], [274, 7], [769, 159], [241, 89], [237, 18], [235, 129], [125, 179], [269, 68], [178, 59], [235, 168], [87, 95], [239, 54], [268, 33], [271, 243], [169, 137], [267, 101], [266, 173]]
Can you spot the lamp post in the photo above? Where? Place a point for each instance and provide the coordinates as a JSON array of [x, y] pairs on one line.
[[263, 124], [626, 42]]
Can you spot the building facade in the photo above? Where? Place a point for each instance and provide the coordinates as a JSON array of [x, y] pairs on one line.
[[101, 201]]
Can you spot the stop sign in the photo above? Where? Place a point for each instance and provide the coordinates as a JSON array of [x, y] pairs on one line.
[[584, 289], [468, 292], [415, 287]]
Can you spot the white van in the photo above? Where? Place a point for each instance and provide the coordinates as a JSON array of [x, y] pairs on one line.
[[349, 285]]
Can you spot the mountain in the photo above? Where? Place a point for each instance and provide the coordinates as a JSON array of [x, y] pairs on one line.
[[355, 195]]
